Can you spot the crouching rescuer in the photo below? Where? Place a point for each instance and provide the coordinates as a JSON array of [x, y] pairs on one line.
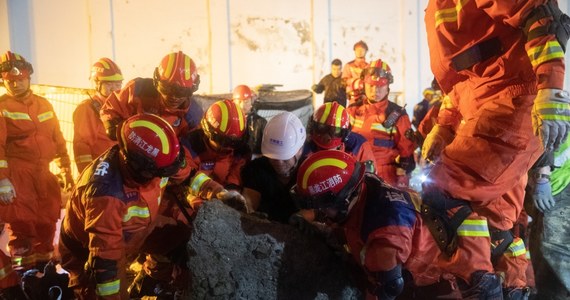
[[385, 233], [115, 204]]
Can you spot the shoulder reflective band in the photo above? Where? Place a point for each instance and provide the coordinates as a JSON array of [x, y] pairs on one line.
[[197, 183]]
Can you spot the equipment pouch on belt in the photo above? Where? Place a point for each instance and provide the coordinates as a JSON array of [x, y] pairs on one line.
[[442, 227]]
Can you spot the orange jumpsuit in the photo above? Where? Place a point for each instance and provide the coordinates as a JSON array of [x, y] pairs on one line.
[[139, 95], [212, 170], [494, 147], [108, 217], [387, 143], [30, 138], [89, 137]]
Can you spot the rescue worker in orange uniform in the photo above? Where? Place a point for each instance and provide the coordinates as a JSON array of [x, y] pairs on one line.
[[383, 123], [502, 64], [245, 98], [218, 152], [353, 69], [330, 129], [89, 137], [116, 204], [381, 229], [168, 94], [30, 138]]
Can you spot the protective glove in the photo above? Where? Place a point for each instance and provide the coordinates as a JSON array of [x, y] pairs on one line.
[[7, 192], [542, 195], [437, 139], [233, 199], [551, 117], [68, 182], [299, 222]]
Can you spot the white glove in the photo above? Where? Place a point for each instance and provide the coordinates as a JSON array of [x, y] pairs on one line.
[[551, 117], [7, 192], [233, 199], [437, 139]]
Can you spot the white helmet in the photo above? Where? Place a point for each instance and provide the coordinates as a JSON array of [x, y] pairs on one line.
[[283, 136]]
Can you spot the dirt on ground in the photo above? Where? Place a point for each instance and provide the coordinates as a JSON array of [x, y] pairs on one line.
[[239, 256]]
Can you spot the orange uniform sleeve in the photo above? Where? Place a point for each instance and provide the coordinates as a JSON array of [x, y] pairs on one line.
[[405, 146], [121, 105], [103, 222], [3, 161]]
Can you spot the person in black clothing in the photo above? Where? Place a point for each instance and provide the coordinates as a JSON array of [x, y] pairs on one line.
[[266, 180], [432, 96], [332, 85]]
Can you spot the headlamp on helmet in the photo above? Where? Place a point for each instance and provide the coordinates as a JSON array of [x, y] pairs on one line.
[[13, 66], [176, 75], [378, 74]]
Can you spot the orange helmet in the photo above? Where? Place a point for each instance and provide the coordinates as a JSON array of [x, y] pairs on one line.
[[105, 70], [177, 75], [224, 123], [327, 179], [14, 66], [243, 92], [150, 146], [330, 125], [378, 73]]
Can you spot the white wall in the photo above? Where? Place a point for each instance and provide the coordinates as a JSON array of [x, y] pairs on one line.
[[232, 41]]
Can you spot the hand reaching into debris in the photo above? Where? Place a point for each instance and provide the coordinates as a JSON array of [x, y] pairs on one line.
[[298, 221], [233, 199]]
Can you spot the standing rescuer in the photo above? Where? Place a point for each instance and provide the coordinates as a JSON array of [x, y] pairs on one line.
[[384, 123], [30, 138], [89, 137], [116, 204], [502, 64]]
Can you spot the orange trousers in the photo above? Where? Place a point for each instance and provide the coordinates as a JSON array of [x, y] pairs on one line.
[[33, 214], [486, 164]]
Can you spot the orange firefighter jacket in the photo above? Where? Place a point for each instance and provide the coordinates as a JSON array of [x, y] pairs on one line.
[[521, 68], [387, 143], [139, 95], [89, 137], [29, 131], [211, 169]]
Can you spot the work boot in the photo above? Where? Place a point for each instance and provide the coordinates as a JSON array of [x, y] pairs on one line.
[[13, 293], [484, 286], [516, 293]]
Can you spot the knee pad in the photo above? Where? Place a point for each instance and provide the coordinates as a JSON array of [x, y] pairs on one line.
[[390, 284]]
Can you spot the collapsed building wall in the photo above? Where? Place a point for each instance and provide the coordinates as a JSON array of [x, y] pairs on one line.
[[237, 256]]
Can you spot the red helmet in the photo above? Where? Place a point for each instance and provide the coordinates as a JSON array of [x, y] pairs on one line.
[[224, 123], [150, 146], [326, 179], [378, 73], [177, 75], [330, 119], [105, 70], [243, 92], [14, 66]]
